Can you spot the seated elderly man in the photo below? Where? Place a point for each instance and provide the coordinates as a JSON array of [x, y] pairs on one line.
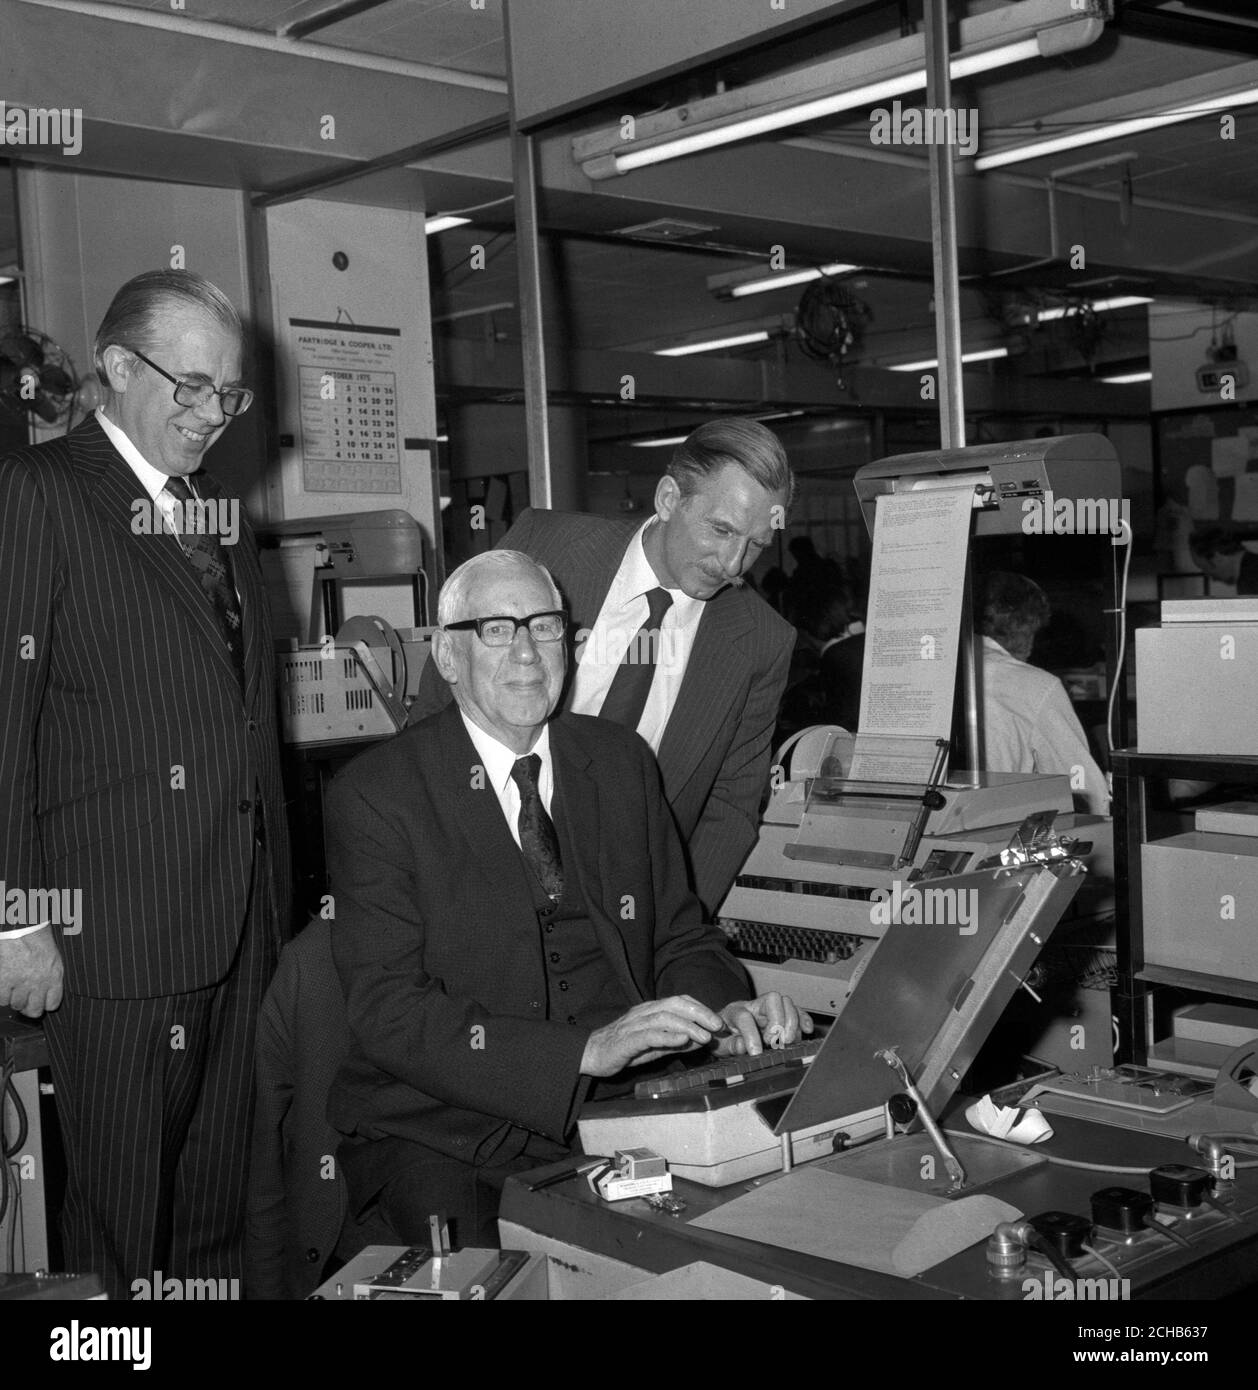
[[1028, 723], [513, 927]]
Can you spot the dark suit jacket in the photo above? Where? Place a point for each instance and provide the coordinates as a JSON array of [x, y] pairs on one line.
[[714, 757], [297, 1198], [129, 758], [842, 667], [437, 943]]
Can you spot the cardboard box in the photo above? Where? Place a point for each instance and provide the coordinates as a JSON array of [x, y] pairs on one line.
[[1201, 904], [1227, 1025], [1229, 818], [1195, 689]]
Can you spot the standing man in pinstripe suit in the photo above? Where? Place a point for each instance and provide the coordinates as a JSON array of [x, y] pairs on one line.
[[139, 766], [670, 642]]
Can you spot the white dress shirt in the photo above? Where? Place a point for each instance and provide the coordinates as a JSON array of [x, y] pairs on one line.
[[1029, 725], [153, 480], [498, 760], [624, 611]]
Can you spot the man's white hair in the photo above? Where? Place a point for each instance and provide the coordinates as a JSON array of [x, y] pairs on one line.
[[452, 600]]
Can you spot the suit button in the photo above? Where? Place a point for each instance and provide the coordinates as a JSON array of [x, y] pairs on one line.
[[550, 927], [244, 807], [563, 984], [535, 1005], [252, 726], [571, 1019], [554, 956], [311, 1255]]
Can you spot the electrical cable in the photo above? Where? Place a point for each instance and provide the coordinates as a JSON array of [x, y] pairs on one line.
[[477, 207], [1112, 704], [1096, 1255]]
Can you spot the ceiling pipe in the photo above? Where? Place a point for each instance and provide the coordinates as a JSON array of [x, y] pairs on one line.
[[268, 43]]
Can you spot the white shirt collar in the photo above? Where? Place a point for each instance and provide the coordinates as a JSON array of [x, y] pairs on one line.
[[497, 758], [636, 578], [154, 479]]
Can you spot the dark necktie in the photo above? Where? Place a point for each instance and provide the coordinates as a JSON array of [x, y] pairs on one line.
[[210, 562], [538, 840], [626, 696]]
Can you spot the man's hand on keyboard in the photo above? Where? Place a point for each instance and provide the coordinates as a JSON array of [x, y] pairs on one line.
[[652, 1030], [771, 1020]]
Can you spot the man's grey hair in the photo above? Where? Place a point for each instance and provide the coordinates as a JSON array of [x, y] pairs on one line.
[[452, 601], [134, 318], [745, 443]]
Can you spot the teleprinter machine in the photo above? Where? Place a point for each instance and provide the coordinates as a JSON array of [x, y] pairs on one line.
[[837, 860], [911, 913], [1074, 467]]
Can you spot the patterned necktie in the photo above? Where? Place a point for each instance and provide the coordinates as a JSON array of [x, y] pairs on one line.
[[626, 697], [210, 562], [538, 840]]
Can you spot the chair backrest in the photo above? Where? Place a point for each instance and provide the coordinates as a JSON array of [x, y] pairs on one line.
[[297, 1198]]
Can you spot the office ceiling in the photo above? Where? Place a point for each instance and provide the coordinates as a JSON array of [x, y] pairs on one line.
[[1177, 215]]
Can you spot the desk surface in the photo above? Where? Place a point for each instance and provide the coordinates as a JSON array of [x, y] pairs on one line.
[[1223, 1258]]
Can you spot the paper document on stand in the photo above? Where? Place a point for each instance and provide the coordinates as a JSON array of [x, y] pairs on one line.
[[916, 589]]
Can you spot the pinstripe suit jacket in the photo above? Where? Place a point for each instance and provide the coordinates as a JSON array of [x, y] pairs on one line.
[[129, 757], [714, 757]]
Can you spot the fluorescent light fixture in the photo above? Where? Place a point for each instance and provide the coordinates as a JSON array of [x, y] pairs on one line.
[[979, 355], [713, 344], [785, 278], [444, 223], [657, 443], [1128, 378], [963, 65], [6, 279], [1099, 306], [994, 39], [1114, 130]]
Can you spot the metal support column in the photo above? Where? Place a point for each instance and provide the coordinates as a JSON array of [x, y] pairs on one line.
[[523, 165], [951, 390]]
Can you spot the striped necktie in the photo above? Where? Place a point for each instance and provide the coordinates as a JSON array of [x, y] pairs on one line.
[[210, 561]]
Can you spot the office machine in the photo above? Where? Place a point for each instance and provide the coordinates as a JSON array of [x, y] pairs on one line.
[[836, 859], [350, 547], [435, 1273], [358, 685], [1078, 470], [1156, 1199], [861, 899]]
